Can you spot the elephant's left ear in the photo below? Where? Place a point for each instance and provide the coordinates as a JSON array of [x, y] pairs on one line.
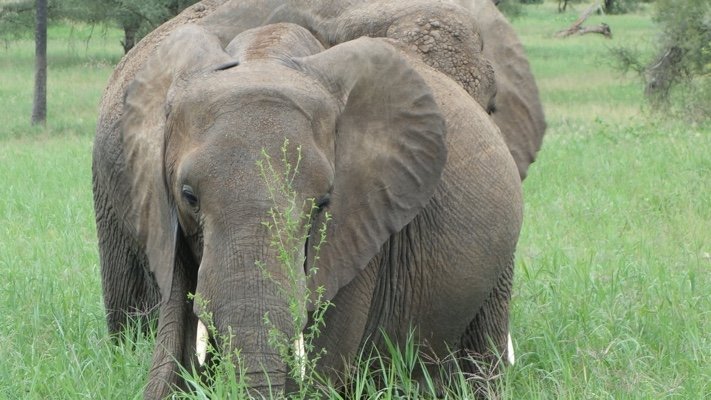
[[389, 152], [188, 50]]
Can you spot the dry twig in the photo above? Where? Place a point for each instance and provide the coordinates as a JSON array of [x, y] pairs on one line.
[[577, 27]]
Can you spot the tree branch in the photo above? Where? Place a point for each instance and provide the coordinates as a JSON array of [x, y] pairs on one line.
[[577, 27]]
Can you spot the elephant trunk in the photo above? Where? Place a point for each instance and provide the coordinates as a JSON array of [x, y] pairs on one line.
[[242, 327], [248, 306]]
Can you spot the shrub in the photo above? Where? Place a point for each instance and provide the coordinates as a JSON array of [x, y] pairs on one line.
[[680, 73], [678, 78], [510, 8], [620, 6]]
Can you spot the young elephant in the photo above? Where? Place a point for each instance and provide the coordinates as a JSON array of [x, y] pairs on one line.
[[424, 196]]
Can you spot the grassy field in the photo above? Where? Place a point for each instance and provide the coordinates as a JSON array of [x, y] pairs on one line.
[[614, 264]]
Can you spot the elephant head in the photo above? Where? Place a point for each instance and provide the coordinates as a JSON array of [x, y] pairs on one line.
[[196, 121], [442, 34], [517, 109], [468, 40]]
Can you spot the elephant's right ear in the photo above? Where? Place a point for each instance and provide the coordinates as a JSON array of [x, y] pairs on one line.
[[186, 51]]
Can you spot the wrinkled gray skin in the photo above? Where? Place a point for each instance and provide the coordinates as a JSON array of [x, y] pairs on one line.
[[517, 109], [424, 195], [447, 38], [442, 34]]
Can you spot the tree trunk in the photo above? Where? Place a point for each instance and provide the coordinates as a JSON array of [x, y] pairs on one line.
[[562, 5], [609, 4], [662, 74], [39, 106], [129, 37]]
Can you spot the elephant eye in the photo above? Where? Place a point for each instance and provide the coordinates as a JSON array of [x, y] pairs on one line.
[[189, 196], [227, 65], [323, 201], [491, 109]]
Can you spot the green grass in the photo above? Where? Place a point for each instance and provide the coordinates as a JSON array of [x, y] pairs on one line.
[[80, 60], [613, 270], [614, 267], [52, 333]]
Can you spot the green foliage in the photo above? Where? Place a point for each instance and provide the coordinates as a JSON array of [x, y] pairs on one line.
[[16, 19], [510, 8], [620, 6], [678, 76], [290, 224], [687, 25], [135, 17]]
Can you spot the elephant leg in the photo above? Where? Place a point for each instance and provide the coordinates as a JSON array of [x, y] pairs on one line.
[[129, 293], [345, 324], [488, 333], [175, 340]]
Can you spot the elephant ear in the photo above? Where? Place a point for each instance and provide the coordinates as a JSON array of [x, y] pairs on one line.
[[389, 152], [518, 111], [152, 214]]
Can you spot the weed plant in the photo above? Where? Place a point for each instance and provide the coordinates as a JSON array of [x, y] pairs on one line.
[[290, 225]]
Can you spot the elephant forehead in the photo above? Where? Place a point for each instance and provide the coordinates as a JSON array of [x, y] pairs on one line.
[[250, 77], [258, 121], [222, 92]]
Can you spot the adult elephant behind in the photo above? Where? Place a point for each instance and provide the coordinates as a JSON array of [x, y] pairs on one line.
[[442, 34], [424, 197], [517, 109], [460, 38]]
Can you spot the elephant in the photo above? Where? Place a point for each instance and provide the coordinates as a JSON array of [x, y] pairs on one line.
[[449, 38], [424, 197], [443, 34], [517, 109]]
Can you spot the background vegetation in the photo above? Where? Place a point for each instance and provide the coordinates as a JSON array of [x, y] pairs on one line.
[[679, 74], [513, 7], [614, 262], [135, 18]]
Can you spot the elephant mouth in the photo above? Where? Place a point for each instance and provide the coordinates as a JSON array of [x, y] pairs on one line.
[[203, 337]]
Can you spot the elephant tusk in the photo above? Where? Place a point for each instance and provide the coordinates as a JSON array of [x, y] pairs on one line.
[[510, 351], [201, 342], [300, 354]]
